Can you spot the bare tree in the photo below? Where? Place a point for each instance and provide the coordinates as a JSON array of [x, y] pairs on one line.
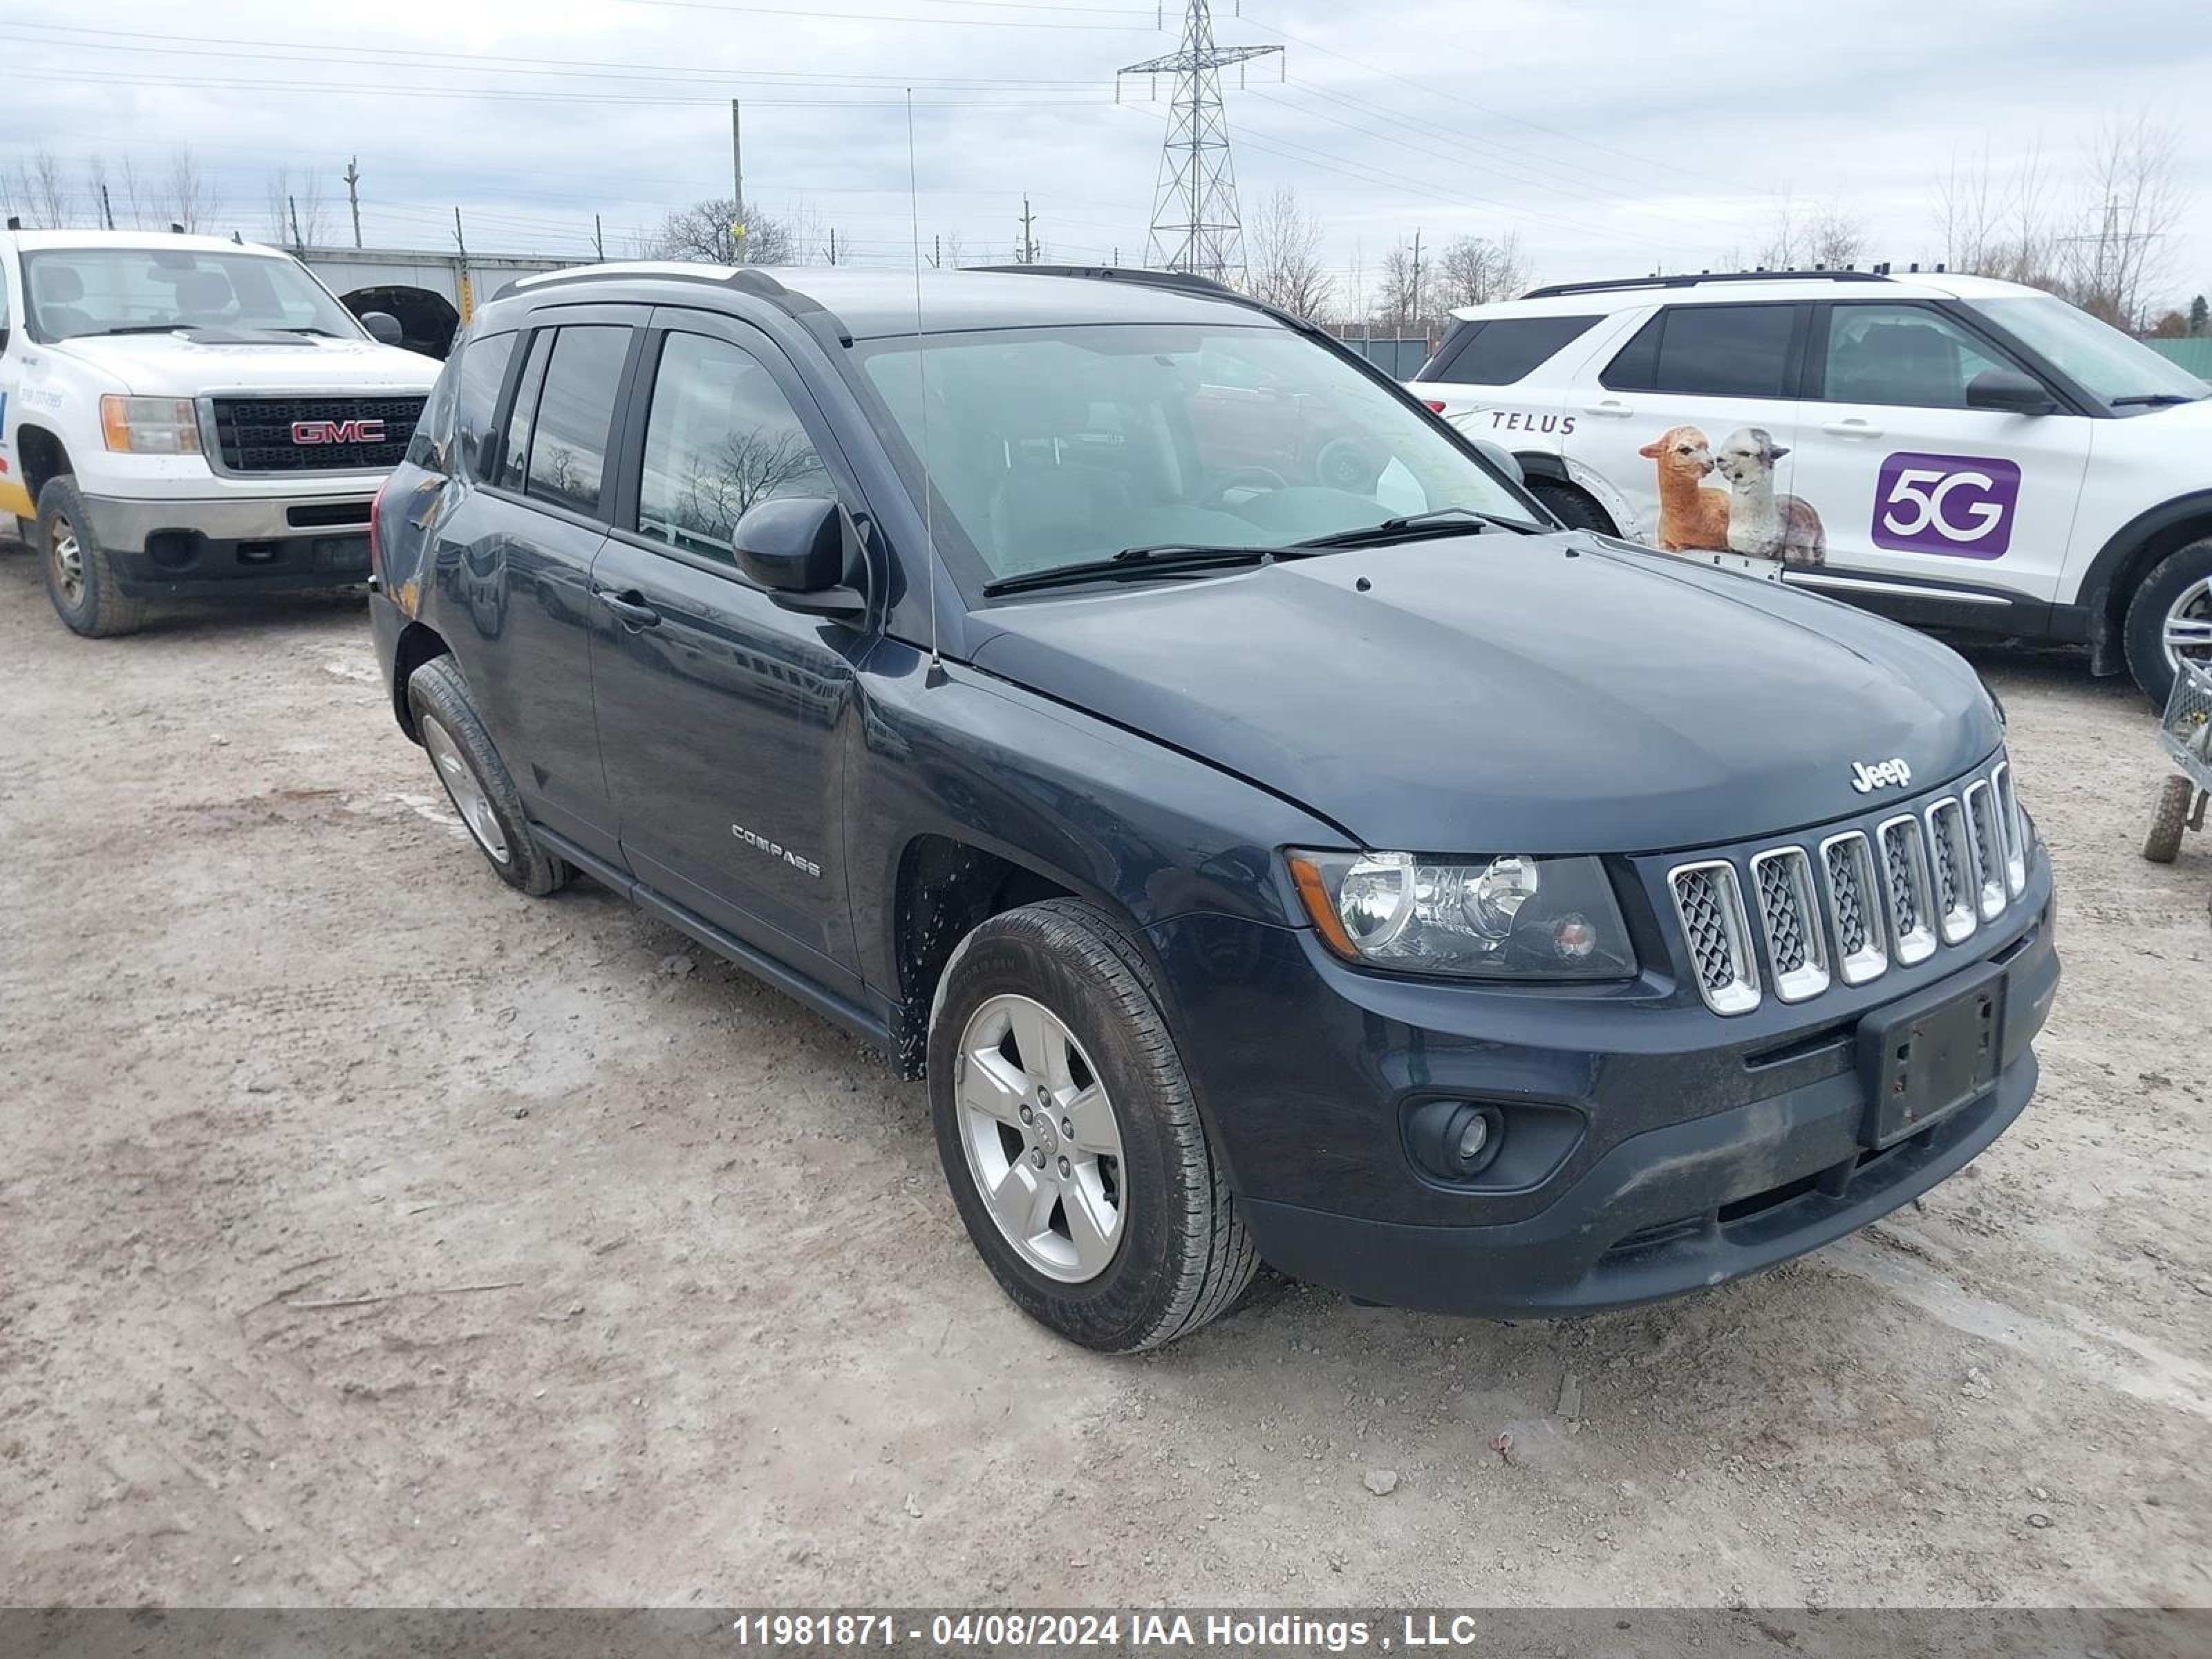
[[1283, 246], [2132, 204], [1781, 249], [298, 210], [185, 199], [1473, 271], [1398, 296], [716, 231], [38, 193], [1834, 236], [134, 192]]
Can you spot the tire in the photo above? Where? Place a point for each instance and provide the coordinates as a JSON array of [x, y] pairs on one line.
[[81, 578], [477, 781], [1572, 509], [1179, 1255], [2169, 816], [2180, 586]]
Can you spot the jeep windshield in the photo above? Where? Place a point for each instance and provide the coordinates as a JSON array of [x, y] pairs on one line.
[[2123, 372], [1060, 448], [78, 291]]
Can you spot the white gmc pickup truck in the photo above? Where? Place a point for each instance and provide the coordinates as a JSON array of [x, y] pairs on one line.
[[184, 417]]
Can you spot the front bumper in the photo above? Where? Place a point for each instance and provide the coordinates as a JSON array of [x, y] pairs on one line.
[[1686, 1150], [211, 547]]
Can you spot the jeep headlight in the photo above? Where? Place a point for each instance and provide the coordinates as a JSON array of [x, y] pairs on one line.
[[1507, 917], [149, 426]]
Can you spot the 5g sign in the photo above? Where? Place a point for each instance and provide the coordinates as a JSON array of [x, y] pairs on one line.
[[1957, 505]]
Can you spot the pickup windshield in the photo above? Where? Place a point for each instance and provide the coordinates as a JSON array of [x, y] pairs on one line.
[[78, 291], [2105, 361], [1052, 447]]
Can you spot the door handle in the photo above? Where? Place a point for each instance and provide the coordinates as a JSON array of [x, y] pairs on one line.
[[630, 606], [1609, 406], [1853, 428]]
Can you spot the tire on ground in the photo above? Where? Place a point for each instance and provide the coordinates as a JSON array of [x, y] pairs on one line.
[[1184, 1256], [71, 558], [436, 693], [1571, 507], [2143, 633], [2169, 817]]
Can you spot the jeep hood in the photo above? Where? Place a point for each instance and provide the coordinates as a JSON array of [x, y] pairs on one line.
[[180, 366], [1499, 693]]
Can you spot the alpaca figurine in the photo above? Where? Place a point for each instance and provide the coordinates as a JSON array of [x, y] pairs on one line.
[[1690, 516], [1761, 523]]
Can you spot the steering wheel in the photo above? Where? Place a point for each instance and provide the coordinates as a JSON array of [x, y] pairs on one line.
[[1261, 478]]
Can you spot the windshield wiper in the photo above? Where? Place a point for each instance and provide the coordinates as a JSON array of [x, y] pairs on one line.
[[2153, 400], [1165, 559], [144, 328], [308, 329], [1419, 524]]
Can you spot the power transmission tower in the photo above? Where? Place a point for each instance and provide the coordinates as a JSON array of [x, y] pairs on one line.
[[1195, 225]]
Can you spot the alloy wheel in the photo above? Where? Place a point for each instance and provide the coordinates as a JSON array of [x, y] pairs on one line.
[[1043, 1141], [2188, 631], [467, 794]]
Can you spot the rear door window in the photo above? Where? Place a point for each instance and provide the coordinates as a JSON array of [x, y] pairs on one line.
[[1499, 350], [1710, 351], [576, 411], [514, 450], [481, 372]]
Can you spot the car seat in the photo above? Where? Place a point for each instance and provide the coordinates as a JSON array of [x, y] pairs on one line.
[[56, 289]]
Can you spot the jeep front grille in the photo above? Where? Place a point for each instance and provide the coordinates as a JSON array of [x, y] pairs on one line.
[[1710, 901], [1795, 919], [263, 434]]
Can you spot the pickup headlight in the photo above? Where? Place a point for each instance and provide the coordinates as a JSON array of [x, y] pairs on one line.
[[150, 426], [1509, 917]]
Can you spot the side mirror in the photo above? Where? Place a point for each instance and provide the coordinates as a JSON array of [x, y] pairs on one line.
[[1501, 458], [2009, 392], [799, 547], [383, 327]]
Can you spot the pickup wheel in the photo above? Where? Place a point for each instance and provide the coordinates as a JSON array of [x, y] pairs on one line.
[[81, 578], [2170, 618], [477, 781], [1069, 1137]]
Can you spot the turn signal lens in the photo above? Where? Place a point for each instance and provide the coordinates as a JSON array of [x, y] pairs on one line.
[[149, 426]]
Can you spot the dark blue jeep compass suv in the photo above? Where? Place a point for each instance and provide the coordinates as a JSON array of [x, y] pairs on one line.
[[1271, 835]]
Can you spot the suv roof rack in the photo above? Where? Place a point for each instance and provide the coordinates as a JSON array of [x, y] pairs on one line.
[[746, 279], [1817, 274], [1183, 279]]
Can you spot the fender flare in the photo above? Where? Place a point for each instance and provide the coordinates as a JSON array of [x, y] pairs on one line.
[[2108, 575], [1551, 467]]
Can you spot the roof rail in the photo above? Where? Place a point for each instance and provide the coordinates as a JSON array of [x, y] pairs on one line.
[[1816, 275], [1182, 279], [746, 279]]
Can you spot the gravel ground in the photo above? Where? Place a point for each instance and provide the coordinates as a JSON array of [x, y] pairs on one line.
[[372, 1235]]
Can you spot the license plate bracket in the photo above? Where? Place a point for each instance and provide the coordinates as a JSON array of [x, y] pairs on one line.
[[1928, 1055]]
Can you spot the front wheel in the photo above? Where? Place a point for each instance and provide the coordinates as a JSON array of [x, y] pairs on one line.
[[81, 579], [1068, 1135], [2170, 619]]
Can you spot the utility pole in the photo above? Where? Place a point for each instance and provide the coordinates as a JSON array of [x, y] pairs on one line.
[[1195, 224], [936, 253], [598, 239], [737, 167], [1417, 279], [293, 202], [106, 208], [833, 244], [459, 241], [353, 194], [1028, 255]]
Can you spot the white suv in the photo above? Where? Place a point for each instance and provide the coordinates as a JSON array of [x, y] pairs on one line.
[[1948, 450], [182, 418]]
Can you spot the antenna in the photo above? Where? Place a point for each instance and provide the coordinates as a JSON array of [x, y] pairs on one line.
[[921, 390]]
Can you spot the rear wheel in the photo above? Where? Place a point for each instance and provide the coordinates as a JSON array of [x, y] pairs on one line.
[[81, 579], [477, 781], [1069, 1137], [1573, 508], [2170, 619]]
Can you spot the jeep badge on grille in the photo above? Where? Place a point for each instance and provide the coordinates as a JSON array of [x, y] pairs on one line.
[[1881, 776]]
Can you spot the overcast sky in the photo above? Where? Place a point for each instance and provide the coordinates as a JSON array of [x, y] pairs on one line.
[[1612, 136]]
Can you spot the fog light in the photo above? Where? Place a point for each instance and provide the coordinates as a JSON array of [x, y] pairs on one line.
[[1455, 1139]]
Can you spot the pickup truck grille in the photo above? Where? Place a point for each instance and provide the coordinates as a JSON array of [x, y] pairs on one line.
[[313, 435], [1863, 898]]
